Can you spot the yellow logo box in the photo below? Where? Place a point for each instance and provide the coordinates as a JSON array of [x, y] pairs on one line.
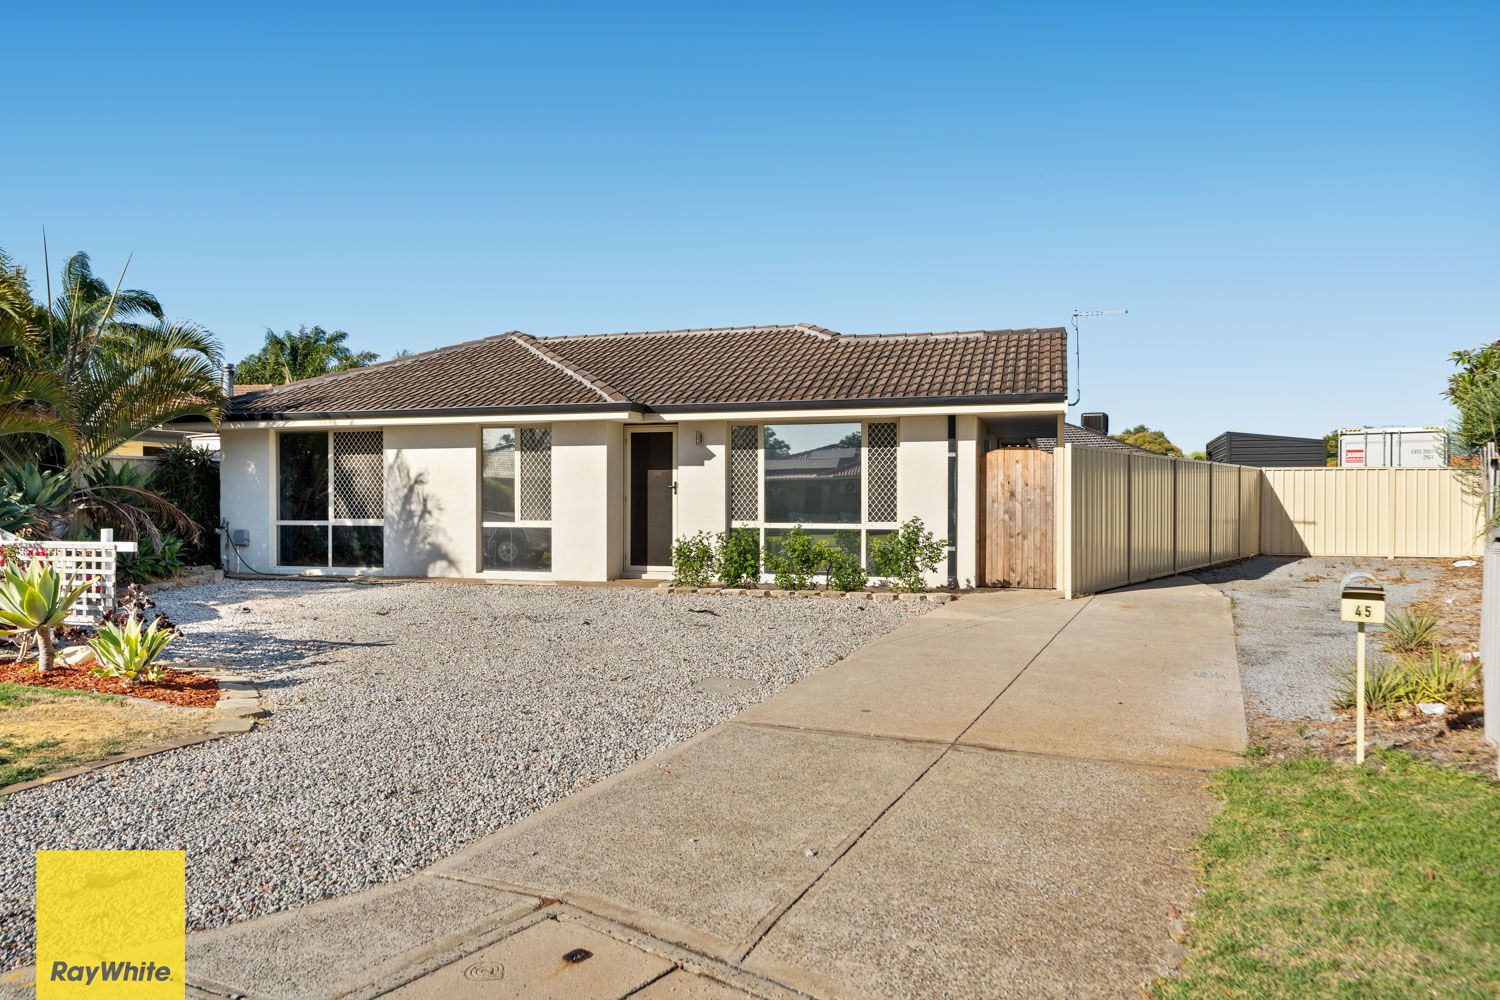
[[110, 925]]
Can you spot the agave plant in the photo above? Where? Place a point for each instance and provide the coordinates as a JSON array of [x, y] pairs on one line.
[[37, 600], [30, 484], [130, 651]]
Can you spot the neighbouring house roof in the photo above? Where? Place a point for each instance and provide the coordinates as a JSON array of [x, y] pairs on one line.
[[1085, 438], [732, 368]]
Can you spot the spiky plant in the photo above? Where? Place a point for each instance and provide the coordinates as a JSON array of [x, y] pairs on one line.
[[130, 651], [1410, 633], [37, 600]]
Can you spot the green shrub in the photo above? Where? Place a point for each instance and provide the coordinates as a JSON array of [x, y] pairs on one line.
[[693, 560], [152, 564], [907, 555], [1410, 633], [800, 558], [739, 557], [34, 487], [844, 571], [1441, 678], [1403, 682], [129, 651], [189, 478]]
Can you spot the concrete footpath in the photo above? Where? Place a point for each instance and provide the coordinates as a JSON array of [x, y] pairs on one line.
[[994, 800]]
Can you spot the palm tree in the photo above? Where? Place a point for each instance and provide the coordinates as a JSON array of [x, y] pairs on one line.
[[126, 368], [31, 399], [92, 369], [307, 353]]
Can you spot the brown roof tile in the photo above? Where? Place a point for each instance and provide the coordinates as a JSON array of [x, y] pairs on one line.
[[1085, 438], [679, 369]]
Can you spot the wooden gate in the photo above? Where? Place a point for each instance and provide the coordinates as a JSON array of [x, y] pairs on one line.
[[1016, 548]]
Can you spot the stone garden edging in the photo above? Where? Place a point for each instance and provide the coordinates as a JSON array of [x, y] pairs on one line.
[[239, 709], [935, 597], [190, 577]]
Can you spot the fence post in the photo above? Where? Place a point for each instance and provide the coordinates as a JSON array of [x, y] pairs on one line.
[[1489, 640]]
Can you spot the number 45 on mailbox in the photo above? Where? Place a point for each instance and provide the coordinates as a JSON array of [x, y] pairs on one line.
[[1362, 601]]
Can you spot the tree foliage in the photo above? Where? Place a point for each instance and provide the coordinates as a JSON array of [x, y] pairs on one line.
[[307, 353], [84, 372], [95, 367], [1475, 365], [1151, 440]]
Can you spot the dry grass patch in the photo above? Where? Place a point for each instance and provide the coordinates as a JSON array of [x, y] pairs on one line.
[[43, 730]]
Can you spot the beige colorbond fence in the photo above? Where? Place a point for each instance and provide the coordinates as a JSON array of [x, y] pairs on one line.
[[1369, 512], [1138, 517], [1128, 518]]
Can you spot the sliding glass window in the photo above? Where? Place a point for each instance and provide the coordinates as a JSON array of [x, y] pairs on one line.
[[330, 499], [515, 495]]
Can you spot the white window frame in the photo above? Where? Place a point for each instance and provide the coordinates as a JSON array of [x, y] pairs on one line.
[[330, 522], [508, 574], [864, 527]]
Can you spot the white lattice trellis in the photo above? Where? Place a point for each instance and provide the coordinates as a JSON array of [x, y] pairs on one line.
[[880, 464], [358, 475], [744, 472], [534, 474], [76, 562]]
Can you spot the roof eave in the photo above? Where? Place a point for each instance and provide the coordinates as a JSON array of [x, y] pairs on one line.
[[1016, 399], [254, 416]]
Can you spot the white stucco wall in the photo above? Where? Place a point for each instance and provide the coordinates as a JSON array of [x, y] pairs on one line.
[[702, 481], [431, 500], [247, 479], [432, 486], [585, 460], [922, 479]]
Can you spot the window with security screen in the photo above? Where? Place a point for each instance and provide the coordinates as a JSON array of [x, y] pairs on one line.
[[331, 499], [838, 481], [515, 493]]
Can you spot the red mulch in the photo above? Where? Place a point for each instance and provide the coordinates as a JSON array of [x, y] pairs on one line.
[[182, 689]]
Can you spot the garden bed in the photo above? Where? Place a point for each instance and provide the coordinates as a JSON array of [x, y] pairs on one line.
[[1294, 650], [185, 690]]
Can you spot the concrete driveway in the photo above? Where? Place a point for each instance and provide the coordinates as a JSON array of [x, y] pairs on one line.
[[993, 800]]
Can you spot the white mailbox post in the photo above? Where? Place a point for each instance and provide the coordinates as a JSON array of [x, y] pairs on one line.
[[1362, 601]]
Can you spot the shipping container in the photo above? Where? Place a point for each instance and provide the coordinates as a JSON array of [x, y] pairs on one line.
[[1267, 450], [1393, 447]]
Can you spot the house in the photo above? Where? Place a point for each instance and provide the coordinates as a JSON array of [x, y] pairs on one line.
[[1083, 437], [582, 457]]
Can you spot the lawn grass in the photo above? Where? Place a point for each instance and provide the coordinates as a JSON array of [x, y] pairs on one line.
[[21, 695], [23, 759], [1323, 880]]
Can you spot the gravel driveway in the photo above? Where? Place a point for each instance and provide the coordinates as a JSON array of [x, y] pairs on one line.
[[410, 720], [1292, 645]]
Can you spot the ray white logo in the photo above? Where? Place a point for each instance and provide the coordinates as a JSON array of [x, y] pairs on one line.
[[110, 972]]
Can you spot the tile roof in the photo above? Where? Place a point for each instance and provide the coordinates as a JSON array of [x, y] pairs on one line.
[[686, 369], [1085, 438]]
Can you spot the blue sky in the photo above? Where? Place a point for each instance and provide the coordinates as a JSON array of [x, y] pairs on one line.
[[1298, 206]]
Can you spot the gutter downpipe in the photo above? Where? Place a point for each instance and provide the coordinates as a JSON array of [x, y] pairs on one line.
[[952, 502]]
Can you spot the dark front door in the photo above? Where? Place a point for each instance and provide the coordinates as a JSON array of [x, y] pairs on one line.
[[651, 489]]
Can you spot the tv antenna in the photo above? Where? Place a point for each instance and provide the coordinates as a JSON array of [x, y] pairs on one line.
[[1077, 351]]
